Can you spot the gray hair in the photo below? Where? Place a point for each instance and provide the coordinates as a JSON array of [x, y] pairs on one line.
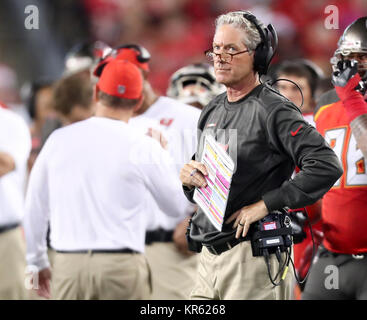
[[252, 36]]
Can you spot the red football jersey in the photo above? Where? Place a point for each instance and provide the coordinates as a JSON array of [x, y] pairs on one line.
[[344, 207]]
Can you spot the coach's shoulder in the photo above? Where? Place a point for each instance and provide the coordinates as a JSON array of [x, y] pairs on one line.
[[271, 100]]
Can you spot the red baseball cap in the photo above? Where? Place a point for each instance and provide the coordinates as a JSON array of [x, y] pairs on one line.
[[122, 79]]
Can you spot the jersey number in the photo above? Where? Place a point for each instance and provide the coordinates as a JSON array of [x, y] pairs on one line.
[[345, 147]]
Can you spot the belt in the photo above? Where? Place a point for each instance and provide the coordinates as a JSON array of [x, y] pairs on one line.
[[219, 248], [159, 235], [8, 227], [126, 250]]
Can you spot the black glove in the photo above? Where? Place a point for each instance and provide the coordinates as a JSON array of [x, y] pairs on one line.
[[346, 70], [347, 81]]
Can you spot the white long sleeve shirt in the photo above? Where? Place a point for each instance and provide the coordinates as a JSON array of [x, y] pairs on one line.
[[15, 140], [178, 124], [92, 180]]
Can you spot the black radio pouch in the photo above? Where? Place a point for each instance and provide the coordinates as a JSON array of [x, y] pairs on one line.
[[273, 232], [193, 245]]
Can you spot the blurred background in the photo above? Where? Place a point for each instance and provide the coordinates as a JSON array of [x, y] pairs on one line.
[[176, 32]]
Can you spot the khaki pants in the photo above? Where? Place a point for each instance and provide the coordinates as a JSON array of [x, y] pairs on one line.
[[111, 276], [237, 275], [12, 265], [173, 274], [51, 256]]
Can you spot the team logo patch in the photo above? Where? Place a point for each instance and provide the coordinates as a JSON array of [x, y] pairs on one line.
[[121, 89], [165, 122]]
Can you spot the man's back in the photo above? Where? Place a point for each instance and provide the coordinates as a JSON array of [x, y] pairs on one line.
[[95, 175]]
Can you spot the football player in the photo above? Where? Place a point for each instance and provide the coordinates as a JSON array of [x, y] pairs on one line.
[[340, 270], [194, 84]]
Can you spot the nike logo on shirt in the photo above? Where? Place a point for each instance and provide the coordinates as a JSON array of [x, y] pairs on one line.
[[293, 133]]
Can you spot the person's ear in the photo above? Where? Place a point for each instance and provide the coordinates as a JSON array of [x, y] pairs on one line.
[[95, 93], [139, 103]]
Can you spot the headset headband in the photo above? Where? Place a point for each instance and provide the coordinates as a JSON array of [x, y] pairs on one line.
[[143, 56], [265, 50]]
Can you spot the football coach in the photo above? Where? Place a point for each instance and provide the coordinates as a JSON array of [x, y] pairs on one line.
[[271, 138]]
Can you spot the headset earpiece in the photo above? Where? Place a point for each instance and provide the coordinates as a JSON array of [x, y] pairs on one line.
[[265, 51]]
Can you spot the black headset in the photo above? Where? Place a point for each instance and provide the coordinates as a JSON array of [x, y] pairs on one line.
[[265, 50], [143, 54]]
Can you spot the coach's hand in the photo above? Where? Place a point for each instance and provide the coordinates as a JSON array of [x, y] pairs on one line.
[[247, 215], [192, 174], [44, 277]]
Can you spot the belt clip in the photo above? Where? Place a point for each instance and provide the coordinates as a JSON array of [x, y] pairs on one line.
[[358, 256]]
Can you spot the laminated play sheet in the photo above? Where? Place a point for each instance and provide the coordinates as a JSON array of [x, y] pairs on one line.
[[213, 198]]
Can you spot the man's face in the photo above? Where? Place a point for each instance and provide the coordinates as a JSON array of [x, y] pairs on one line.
[[290, 91], [43, 103], [229, 39]]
